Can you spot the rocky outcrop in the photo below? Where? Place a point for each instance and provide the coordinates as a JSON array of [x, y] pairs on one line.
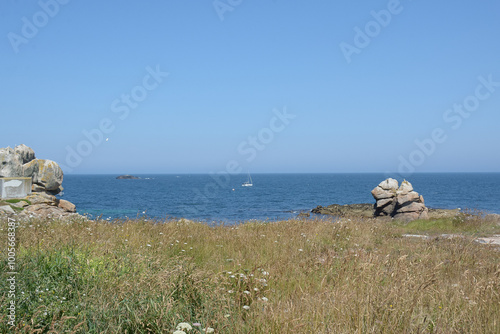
[[127, 177], [399, 202], [47, 177], [348, 210]]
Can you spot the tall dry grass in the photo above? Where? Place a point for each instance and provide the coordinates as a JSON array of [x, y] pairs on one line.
[[296, 276]]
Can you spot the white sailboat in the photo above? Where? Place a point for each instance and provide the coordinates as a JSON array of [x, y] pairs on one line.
[[249, 182]]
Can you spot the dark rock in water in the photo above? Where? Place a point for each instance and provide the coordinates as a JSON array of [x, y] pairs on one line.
[[352, 210], [127, 177]]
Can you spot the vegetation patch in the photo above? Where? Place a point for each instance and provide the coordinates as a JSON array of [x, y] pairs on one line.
[[17, 200], [354, 275], [467, 222]]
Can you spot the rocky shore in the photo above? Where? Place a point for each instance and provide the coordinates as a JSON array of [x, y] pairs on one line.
[[366, 210], [392, 201], [46, 182]]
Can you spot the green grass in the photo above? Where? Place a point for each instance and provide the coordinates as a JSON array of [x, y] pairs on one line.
[[296, 276], [467, 222], [17, 200], [13, 201]]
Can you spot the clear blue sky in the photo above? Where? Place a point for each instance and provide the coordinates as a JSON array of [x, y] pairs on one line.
[[227, 76]]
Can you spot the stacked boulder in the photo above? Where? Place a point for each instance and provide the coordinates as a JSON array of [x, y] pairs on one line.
[[46, 176], [399, 202]]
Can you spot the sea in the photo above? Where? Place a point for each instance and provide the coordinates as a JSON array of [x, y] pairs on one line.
[[216, 198]]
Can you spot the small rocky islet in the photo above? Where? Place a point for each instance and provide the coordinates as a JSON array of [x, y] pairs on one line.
[[127, 177]]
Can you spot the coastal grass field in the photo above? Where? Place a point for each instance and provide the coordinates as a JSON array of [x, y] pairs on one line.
[[297, 276]]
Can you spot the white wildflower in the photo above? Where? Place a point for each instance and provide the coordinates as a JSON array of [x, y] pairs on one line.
[[246, 307], [184, 326]]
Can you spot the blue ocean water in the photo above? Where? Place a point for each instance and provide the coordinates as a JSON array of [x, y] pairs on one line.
[[273, 196]]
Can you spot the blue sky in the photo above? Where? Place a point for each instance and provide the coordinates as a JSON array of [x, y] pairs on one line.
[[235, 68]]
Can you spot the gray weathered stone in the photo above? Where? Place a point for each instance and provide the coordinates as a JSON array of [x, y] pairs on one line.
[[408, 197], [66, 206], [6, 208], [379, 193], [411, 207], [42, 198], [405, 187], [26, 153], [11, 164], [389, 184], [46, 173], [384, 202]]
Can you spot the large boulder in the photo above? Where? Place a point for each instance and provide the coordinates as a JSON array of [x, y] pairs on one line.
[[11, 164], [385, 195], [399, 202], [66, 205], [46, 173]]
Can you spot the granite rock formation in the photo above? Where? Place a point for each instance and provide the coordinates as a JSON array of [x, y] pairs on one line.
[[47, 177], [400, 202]]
